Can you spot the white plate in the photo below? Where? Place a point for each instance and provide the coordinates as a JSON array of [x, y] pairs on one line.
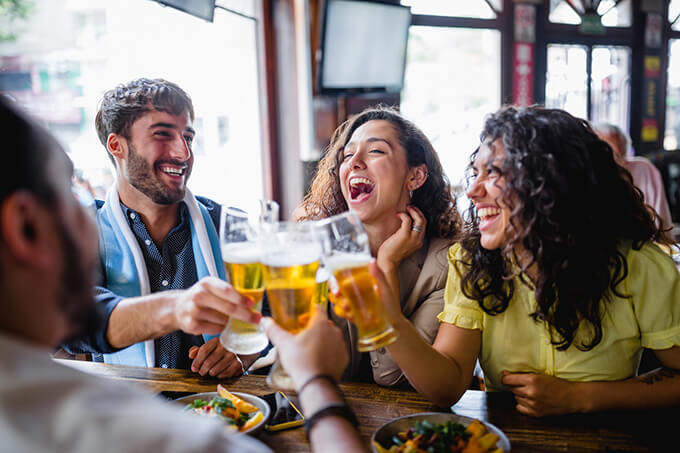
[[384, 434], [252, 399]]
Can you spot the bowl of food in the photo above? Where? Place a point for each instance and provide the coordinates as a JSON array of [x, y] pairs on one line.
[[241, 412], [438, 432]]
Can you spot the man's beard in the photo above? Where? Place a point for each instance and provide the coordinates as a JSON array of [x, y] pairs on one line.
[[76, 292], [143, 178]]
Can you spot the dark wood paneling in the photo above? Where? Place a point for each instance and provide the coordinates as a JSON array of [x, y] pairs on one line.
[[271, 158]]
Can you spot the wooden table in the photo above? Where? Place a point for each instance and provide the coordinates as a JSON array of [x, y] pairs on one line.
[[639, 431]]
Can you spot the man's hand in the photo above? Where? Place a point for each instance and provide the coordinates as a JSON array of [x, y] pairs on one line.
[[212, 359], [206, 307], [539, 395], [318, 349]]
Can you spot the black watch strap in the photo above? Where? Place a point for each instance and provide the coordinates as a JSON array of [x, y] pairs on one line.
[[332, 410]]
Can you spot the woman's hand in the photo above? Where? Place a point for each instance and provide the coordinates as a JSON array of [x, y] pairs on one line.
[[405, 241], [341, 304], [539, 395]]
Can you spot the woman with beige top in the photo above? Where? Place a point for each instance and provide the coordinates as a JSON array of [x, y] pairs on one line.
[[382, 167]]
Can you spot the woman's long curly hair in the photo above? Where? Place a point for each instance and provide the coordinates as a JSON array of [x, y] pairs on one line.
[[433, 198], [572, 207]]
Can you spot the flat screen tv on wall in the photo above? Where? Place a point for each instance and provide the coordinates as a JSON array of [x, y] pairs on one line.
[[205, 9], [363, 46]]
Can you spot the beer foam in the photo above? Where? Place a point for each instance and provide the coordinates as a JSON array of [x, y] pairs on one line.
[[347, 260], [294, 256], [241, 253]]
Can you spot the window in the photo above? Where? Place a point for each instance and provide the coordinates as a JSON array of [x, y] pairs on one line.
[[610, 85], [612, 13], [68, 53], [482, 9], [570, 66], [674, 14], [452, 82], [566, 84], [672, 135]]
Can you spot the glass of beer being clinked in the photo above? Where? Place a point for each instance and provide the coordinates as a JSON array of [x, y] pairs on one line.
[[291, 253], [346, 255], [242, 262]]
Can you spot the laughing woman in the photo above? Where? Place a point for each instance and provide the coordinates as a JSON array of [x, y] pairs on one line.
[[383, 167], [557, 284]]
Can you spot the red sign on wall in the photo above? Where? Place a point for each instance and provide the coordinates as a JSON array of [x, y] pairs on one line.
[[523, 74]]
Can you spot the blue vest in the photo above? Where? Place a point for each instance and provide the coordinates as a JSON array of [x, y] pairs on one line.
[[123, 262]]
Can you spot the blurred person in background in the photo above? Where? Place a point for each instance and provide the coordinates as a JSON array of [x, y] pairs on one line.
[[83, 189], [557, 284], [646, 176], [162, 276], [382, 166]]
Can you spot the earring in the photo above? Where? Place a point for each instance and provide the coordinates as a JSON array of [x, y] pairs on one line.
[[410, 194]]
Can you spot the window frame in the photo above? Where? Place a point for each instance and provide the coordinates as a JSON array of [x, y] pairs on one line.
[[503, 23], [668, 35], [568, 34]]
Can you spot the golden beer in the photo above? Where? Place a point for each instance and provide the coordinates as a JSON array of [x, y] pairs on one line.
[[361, 290], [241, 262], [246, 278], [291, 287]]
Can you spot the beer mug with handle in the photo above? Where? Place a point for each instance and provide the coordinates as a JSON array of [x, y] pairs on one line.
[[346, 255], [291, 254], [241, 255]]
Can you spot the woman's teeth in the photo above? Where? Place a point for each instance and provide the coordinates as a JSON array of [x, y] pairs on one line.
[[357, 181], [358, 186], [488, 212]]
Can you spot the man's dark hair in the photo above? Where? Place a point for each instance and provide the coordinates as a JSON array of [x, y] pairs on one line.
[[29, 148], [123, 105]]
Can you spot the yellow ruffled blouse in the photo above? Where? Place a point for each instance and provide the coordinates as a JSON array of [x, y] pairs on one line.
[[513, 341]]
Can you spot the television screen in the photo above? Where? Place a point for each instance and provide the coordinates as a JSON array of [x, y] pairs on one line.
[[205, 9], [363, 46]]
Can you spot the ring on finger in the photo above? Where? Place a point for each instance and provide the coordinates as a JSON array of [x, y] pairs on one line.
[[417, 228]]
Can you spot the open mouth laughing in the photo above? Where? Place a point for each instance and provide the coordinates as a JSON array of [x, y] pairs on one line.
[[173, 170], [487, 216], [360, 188]]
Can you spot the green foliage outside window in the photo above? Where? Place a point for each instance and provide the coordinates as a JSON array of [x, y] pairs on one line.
[[11, 11]]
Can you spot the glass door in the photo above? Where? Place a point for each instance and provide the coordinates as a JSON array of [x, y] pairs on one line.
[[591, 82]]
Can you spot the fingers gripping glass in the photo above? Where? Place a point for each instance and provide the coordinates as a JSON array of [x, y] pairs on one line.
[[346, 255], [243, 266]]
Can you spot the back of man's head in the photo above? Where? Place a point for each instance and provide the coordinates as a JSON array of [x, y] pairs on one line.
[[28, 147], [123, 105]]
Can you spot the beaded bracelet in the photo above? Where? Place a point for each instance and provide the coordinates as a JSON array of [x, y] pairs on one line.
[[332, 410], [314, 378]]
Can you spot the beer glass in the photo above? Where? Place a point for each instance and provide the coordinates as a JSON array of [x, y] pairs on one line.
[[241, 256], [290, 254], [347, 255]]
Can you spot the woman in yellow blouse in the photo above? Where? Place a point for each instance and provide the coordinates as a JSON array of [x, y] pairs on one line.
[[557, 285]]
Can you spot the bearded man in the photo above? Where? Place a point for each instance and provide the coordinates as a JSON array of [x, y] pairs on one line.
[[162, 288]]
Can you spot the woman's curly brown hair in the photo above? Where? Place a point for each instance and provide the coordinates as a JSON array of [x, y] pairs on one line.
[[433, 198], [572, 210]]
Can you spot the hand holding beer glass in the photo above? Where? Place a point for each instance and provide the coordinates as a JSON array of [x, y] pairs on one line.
[[241, 256], [346, 256], [290, 255]]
